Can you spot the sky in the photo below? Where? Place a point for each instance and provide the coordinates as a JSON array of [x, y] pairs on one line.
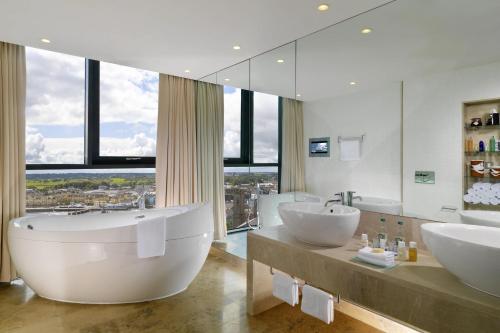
[[128, 109]]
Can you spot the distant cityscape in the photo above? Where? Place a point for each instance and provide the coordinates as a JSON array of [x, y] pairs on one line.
[[84, 192]]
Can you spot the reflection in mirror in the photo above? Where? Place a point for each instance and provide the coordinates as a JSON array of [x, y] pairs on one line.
[[236, 76], [408, 85], [273, 72], [353, 108], [212, 78]]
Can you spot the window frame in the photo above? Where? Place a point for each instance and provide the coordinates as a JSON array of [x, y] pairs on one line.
[[93, 160], [92, 157]]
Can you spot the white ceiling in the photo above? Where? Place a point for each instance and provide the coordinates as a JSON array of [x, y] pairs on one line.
[[410, 38], [166, 35]]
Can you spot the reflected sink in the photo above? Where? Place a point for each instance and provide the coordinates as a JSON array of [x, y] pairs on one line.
[[481, 217], [315, 224], [470, 252], [378, 205]]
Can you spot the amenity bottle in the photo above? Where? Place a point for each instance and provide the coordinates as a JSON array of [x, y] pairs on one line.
[[382, 234], [412, 252]]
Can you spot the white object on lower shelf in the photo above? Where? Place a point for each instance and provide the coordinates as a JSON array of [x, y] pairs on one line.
[[317, 303], [286, 288]]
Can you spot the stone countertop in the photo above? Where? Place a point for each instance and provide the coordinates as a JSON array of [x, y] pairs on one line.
[[422, 293]]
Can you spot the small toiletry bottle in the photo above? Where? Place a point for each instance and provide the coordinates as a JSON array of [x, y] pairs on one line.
[[382, 234], [481, 146], [402, 251], [375, 242], [364, 240], [382, 243], [399, 237], [492, 144], [412, 252]]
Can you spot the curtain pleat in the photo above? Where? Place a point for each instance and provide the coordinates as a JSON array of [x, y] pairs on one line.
[[12, 146], [292, 158], [210, 147], [176, 174]]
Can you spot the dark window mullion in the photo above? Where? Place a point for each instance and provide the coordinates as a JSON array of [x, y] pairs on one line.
[[92, 129]]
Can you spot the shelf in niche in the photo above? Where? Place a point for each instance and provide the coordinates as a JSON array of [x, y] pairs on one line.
[[484, 179], [482, 153], [483, 128]]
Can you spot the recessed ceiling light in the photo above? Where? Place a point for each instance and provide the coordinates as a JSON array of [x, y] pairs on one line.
[[323, 7], [280, 61], [236, 47], [187, 71], [352, 83], [366, 30], [227, 80], [45, 40]]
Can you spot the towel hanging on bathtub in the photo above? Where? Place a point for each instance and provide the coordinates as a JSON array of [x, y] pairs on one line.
[[151, 237]]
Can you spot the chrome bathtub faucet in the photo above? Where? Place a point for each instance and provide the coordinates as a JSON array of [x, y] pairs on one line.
[[341, 200], [351, 197]]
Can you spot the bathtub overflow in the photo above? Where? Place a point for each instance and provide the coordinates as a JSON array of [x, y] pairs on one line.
[[30, 227]]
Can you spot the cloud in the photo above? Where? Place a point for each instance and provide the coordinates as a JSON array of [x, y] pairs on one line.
[[139, 145], [232, 122], [42, 150], [55, 88], [265, 128]]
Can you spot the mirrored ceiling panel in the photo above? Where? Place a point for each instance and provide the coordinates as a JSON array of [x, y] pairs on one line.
[[274, 72], [236, 76]]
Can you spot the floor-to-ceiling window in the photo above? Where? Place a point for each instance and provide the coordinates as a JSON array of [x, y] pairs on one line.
[[90, 134], [251, 153], [91, 139]]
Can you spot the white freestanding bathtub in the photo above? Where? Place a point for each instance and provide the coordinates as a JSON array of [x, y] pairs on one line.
[[93, 258]]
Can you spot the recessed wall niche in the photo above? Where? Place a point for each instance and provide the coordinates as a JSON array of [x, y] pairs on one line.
[[481, 167]]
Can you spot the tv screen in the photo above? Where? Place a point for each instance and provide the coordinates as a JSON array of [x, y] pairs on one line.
[[320, 147]]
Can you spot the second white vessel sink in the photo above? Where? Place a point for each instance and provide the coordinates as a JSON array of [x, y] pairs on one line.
[[470, 252], [481, 217], [315, 224], [378, 205]]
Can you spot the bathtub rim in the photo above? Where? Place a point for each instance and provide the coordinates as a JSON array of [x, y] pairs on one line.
[[126, 233]]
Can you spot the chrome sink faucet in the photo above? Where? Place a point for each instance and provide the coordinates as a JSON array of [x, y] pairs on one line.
[[351, 197], [341, 200]]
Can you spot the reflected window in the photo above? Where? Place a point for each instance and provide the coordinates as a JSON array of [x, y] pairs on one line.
[[232, 122], [265, 127]]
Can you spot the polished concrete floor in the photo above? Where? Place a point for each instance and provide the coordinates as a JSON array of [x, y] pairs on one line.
[[215, 302]]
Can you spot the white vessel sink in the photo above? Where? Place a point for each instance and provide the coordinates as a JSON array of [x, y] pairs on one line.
[[470, 252], [378, 205], [315, 224], [481, 217]]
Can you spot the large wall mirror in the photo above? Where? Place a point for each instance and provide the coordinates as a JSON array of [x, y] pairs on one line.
[[408, 96]]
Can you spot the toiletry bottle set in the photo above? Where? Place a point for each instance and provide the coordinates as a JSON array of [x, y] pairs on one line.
[[489, 145], [398, 246]]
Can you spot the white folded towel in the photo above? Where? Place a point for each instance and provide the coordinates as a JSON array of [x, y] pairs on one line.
[[286, 288], [350, 149], [151, 237], [384, 259], [317, 303]]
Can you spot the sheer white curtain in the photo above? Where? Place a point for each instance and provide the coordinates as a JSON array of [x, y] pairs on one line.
[[12, 146], [210, 147], [292, 155]]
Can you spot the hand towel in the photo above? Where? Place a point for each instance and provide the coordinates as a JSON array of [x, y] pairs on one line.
[[317, 303], [350, 149], [286, 288], [151, 237], [384, 259]]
